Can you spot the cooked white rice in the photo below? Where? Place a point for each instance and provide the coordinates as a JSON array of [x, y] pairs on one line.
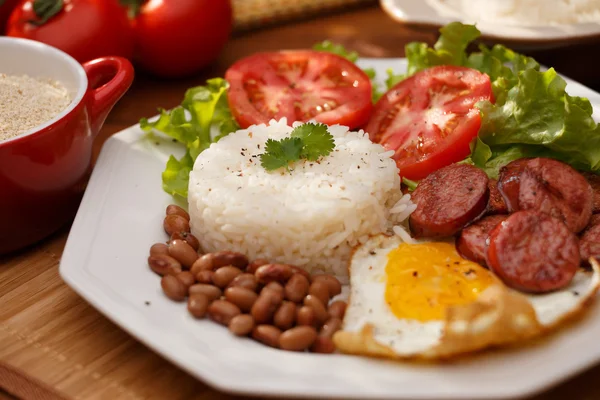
[[522, 12], [310, 217]]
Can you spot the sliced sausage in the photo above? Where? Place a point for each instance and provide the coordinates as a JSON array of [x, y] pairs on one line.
[[589, 243], [496, 203], [472, 242], [508, 183], [556, 189], [594, 181], [448, 199], [533, 252]]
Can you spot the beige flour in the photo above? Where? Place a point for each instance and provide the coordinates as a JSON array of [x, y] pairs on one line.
[[27, 102]]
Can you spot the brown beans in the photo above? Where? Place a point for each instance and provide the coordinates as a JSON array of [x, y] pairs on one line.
[[337, 309], [277, 288], [241, 297], [213, 261], [285, 316], [273, 273], [330, 327], [205, 276], [175, 223], [186, 278], [266, 305], [222, 311], [320, 289], [212, 292], [267, 334], [323, 345], [224, 275], [176, 210], [163, 264], [173, 288], [297, 270], [182, 252], [188, 238], [299, 338], [296, 288], [335, 287], [245, 280], [313, 302], [241, 325], [159, 248], [198, 304], [253, 266], [306, 316]]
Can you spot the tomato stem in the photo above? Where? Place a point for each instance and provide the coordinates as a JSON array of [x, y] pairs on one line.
[[45, 9], [133, 7]]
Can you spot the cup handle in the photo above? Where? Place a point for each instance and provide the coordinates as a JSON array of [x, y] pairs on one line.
[[109, 78]]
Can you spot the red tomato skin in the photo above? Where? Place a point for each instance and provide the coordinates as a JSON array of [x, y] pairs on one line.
[[355, 104], [85, 29], [5, 10], [445, 153], [179, 38]]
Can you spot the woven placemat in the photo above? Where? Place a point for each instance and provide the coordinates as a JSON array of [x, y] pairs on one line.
[[251, 14]]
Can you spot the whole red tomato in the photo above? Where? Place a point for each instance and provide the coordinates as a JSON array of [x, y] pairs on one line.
[[85, 29], [6, 7], [180, 37]]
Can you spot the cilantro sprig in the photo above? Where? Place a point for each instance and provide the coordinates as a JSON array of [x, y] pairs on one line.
[[309, 141]]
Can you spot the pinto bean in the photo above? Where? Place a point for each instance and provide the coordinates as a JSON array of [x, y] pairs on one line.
[[266, 305], [253, 266], [335, 287], [337, 309], [173, 288], [285, 316], [186, 278], [241, 325], [175, 223], [173, 209], [273, 273], [318, 307], [330, 327], [205, 276], [296, 288], [241, 297], [267, 334], [212, 292], [306, 316], [163, 264], [245, 280], [323, 345], [222, 311], [183, 252], [198, 304], [299, 338], [224, 275], [213, 261], [159, 248], [188, 238], [320, 289]]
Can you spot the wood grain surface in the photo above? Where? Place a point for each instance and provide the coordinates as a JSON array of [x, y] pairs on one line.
[[54, 345]]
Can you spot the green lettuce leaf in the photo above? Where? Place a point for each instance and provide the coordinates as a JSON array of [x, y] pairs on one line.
[[203, 111]]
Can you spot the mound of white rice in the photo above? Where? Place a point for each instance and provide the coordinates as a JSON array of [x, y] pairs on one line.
[[523, 12], [311, 216]]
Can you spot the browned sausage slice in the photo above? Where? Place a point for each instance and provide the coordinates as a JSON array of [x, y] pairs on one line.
[[594, 181], [448, 199], [533, 252], [556, 189], [472, 242], [589, 243], [508, 183], [496, 203]]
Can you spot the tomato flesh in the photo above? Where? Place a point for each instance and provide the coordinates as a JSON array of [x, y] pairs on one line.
[[430, 119], [301, 86]]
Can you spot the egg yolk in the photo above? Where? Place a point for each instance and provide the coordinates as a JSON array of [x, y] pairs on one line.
[[424, 279]]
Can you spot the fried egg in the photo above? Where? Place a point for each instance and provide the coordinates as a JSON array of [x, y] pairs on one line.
[[423, 300]]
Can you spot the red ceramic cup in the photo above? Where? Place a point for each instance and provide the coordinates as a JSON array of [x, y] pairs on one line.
[[43, 172]]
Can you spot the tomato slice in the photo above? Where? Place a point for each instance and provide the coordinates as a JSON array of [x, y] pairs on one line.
[[430, 119], [301, 85]]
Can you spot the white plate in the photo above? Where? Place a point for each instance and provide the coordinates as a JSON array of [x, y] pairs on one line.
[[104, 261], [431, 13]]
